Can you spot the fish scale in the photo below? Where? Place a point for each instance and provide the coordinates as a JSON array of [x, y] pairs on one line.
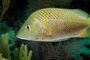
[[45, 15]]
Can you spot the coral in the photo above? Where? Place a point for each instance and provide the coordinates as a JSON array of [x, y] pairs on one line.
[[5, 6], [5, 47], [11, 33], [1, 58], [21, 54], [12, 37], [65, 50]]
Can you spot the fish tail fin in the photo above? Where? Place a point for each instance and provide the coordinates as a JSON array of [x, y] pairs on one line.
[[88, 21], [85, 33]]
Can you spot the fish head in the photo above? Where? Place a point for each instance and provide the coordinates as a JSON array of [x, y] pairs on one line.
[[31, 30]]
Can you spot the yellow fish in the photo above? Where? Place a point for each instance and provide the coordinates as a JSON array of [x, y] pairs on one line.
[[55, 24]]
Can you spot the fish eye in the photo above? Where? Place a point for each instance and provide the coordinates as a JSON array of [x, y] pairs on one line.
[[28, 26]]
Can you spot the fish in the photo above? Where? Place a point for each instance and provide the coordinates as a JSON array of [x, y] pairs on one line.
[[55, 24]]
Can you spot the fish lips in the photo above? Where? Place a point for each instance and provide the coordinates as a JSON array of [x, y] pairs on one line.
[[20, 37]]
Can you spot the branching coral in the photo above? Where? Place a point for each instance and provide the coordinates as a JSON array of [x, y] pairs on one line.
[[21, 54], [1, 58], [5, 47]]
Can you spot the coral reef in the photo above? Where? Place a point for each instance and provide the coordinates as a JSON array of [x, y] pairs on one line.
[[1, 58], [11, 34], [21, 54], [5, 47], [13, 13]]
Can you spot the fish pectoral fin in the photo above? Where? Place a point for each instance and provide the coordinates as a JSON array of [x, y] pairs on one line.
[[47, 31], [85, 33]]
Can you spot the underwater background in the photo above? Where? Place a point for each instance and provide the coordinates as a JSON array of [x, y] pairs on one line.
[[13, 13]]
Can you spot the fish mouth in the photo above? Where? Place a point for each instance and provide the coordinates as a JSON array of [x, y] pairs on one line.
[[17, 35], [20, 37], [29, 38]]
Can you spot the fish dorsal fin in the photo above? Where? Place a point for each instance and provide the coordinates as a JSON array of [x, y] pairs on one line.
[[80, 12]]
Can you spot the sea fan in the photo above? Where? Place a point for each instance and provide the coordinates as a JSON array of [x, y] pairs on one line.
[[67, 50]]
